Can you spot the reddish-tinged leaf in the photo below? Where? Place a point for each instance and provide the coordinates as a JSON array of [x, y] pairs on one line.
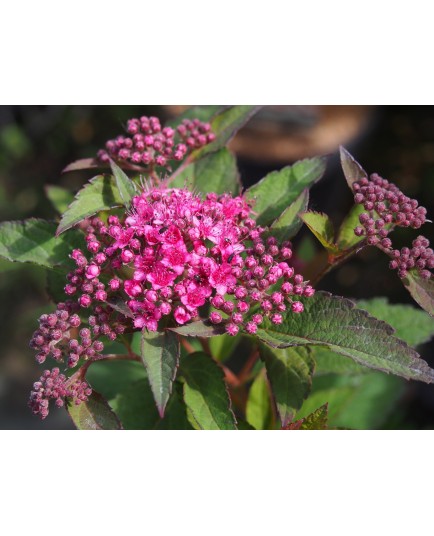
[[353, 171]]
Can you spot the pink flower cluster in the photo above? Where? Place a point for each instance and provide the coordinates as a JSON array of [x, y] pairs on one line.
[[173, 253], [387, 208], [55, 386], [148, 144]]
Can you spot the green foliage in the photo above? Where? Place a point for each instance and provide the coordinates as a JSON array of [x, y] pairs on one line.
[[317, 420], [290, 373], [125, 185], [201, 328], [34, 241], [60, 197], [113, 377], [216, 172], [346, 236], [289, 222], [353, 171], [422, 291], [224, 346], [322, 227], [101, 193], [335, 322], [160, 354], [275, 192], [205, 393], [95, 414], [259, 413]]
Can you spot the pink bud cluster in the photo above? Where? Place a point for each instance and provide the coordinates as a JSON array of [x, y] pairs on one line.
[[173, 253], [387, 208], [55, 386], [149, 144]]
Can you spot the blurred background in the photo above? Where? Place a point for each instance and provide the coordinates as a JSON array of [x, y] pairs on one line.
[[37, 142]]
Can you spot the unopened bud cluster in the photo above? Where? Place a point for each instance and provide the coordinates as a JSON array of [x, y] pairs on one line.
[[386, 208], [149, 144]]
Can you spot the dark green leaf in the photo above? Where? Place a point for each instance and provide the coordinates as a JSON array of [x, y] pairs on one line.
[[353, 171], [258, 410], [56, 281], [113, 377], [119, 305], [346, 238], [101, 193], [290, 373], [275, 192], [328, 362], [322, 227], [95, 414], [60, 197], [289, 223], [160, 355], [422, 291], [334, 322], [225, 125], [216, 172], [412, 325], [201, 328], [205, 393], [203, 113], [35, 241], [125, 185]]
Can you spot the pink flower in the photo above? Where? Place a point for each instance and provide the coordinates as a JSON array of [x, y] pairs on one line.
[[181, 315]]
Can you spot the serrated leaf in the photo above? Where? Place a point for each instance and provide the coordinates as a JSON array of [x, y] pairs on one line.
[[216, 172], [289, 222], [160, 354], [225, 125], [59, 197], [136, 408], [290, 373], [95, 414], [35, 241], [101, 193], [205, 393], [410, 324], [361, 402], [346, 237], [422, 291], [201, 328], [353, 171], [125, 185], [318, 420], [275, 192], [322, 227], [259, 413], [336, 323]]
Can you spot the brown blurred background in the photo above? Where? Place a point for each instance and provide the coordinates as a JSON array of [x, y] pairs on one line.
[[36, 142]]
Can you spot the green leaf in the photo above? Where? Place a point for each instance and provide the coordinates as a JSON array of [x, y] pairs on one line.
[[318, 420], [290, 373], [322, 227], [60, 197], [289, 222], [353, 171], [346, 237], [336, 323], [201, 328], [216, 172], [328, 362], [160, 355], [205, 393], [136, 408], [203, 113], [113, 377], [101, 193], [258, 410], [56, 281], [35, 241], [422, 291], [412, 325], [361, 402], [275, 192], [223, 347], [225, 125], [125, 185], [95, 414]]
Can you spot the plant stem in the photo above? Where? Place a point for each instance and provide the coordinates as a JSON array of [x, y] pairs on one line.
[[334, 262]]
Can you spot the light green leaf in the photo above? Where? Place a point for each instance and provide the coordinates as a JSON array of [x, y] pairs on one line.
[[289, 222], [95, 414], [275, 192], [201, 328], [353, 171], [335, 322], [160, 354], [322, 227], [346, 237], [125, 185], [318, 420], [205, 393], [290, 373], [422, 290], [216, 172], [258, 410], [101, 193], [35, 241], [60, 197]]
